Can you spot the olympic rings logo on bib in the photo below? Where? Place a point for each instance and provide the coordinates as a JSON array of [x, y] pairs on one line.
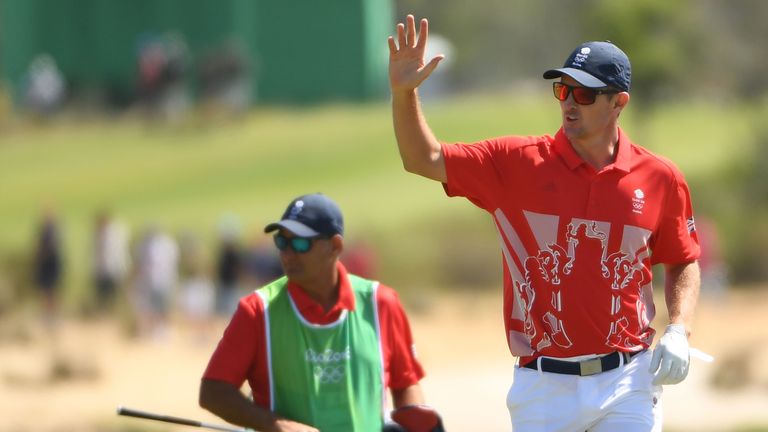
[[328, 366], [329, 374]]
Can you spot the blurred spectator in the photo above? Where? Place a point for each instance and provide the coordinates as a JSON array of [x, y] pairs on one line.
[[157, 274], [48, 264], [5, 103], [152, 60], [714, 272], [228, 266], [163, 65], [196, 301], [111, 260], [225, 79], [192, 259], [176, 98], [262, 262], [44, 86]]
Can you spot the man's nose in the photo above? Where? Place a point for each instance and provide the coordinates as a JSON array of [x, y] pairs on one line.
[[570, 101]]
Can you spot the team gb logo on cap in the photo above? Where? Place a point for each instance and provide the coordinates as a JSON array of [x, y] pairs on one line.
[[297, 208], [581, 57]]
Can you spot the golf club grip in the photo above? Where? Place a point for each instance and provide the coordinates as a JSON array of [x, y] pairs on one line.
[[164, 418]]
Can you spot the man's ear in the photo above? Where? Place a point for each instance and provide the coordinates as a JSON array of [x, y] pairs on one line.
[[622, 100], [337, 243]]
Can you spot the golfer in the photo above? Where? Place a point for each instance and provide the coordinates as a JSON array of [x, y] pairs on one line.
[[581, 217], [318, 346]]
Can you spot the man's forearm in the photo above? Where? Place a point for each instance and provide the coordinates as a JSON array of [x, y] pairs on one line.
[[420, 150], [681, 293], [227, 402], [411, 395]]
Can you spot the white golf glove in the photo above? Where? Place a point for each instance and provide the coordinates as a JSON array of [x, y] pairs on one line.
[[671, 357]]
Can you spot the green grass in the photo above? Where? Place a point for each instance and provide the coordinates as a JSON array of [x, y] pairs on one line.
[[700, 138], [185, 177]]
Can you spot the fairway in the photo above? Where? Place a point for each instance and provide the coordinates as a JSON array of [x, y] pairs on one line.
[[185, 177]]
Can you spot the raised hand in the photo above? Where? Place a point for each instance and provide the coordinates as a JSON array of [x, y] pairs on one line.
[[407, 69]]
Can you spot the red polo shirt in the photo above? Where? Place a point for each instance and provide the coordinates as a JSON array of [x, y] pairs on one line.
[[578, 244], [242, 352]]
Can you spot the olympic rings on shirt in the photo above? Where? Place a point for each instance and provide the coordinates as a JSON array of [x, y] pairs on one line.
[[329, 374]]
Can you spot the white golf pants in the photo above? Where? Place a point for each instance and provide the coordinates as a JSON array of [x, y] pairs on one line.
[[622, 399]]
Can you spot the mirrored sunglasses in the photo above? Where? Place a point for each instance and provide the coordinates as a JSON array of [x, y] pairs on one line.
[[581, 95], [298, 244]]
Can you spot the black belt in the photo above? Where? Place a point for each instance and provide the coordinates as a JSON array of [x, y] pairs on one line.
[[583, 368]]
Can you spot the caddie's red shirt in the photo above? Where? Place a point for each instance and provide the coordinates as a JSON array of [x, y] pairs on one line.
[[578, 244], [242, 352]]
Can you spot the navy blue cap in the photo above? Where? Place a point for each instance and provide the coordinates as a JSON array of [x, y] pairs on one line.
[[595, 65], [311, 216]]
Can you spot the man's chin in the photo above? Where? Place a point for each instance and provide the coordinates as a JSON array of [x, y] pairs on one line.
[[572, 132], [293, 274]]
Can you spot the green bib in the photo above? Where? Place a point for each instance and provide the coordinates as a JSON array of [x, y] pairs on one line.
[[327, 376]]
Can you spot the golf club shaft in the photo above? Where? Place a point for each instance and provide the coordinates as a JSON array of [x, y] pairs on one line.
[[178, 420]]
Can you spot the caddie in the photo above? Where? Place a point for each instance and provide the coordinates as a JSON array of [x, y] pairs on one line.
[[319, 346]]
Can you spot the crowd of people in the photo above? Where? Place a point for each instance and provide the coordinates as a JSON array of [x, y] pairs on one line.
[[157, 275], [170, 80]]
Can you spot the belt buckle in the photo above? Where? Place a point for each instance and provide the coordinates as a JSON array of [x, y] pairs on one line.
[[590, 367]]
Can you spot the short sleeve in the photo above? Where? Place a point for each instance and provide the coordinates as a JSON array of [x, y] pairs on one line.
[[472, 172], [242, 345], [483, 172], [401, 367], [675, 240]]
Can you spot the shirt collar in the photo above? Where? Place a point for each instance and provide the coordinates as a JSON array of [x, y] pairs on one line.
[[624, 156], [572, 159], [313, 311]]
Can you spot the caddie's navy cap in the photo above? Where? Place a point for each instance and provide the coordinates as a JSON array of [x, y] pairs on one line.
[[595, 65], [311, 215]]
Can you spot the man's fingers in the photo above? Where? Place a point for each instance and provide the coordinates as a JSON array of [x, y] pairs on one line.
[[662, 376], [655, 360], [407, 36], [392, 46], [423, 34], [429, 67], [401, 35], [673, 375], [686, 369], [410, 35], [406, 55], [410, 29], [676, 375]]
